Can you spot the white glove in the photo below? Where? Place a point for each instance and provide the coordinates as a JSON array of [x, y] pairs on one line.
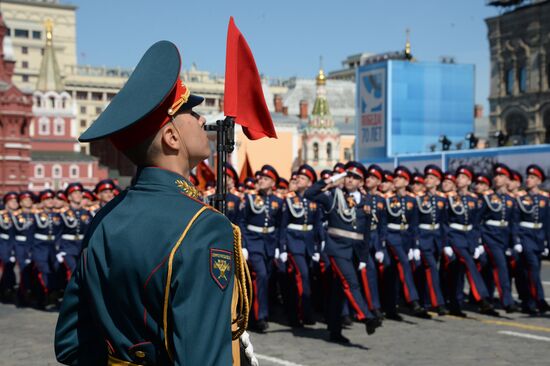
[[283, 257], [545, 252], [416, 254], [337, 177], [362, 266], [27, 261], [249, 349], [508, 252], [60, 256], [316, 257], [518, 248], [322, 246], [410, 254], [481, 250], [245, 254], [379, 256], [476, 253], [12, 259], [448, 251], [277, 253]]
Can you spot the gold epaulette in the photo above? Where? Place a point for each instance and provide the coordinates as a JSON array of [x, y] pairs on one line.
[[62, 210], [545, 194], [440, 194], [472, 194], [410, 194], [388, 194], [279, 195], [450, 194], [488, 192], [291, 194]]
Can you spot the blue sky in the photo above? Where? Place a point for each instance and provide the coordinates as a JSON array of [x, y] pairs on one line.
[[286, 37]]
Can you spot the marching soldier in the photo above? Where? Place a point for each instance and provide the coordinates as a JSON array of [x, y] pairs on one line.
[[349, 223], [386, 186], [60, 200], [75, 220], [260, 224], [23, 223], [449, 182], [534, 233], [292, 182], [282, 188], [462, 239], [300, 234], [402, 244], [47, 230], [378, 257], [432, 207], [498, 218], [155, 281], [7, 246]]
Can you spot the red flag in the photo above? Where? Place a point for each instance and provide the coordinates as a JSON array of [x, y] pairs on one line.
[[204, 175], [243, 95], [246, 170]]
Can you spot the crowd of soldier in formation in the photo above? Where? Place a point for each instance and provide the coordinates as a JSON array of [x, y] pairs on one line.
[[41, 240], [367, 244]]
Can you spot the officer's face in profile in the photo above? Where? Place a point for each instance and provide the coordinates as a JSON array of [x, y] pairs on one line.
[[431, 181], [532, 181], [193, 137], [229, 182], [303, 182]]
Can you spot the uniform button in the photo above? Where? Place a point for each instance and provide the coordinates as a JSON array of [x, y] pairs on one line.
[[140, 354]]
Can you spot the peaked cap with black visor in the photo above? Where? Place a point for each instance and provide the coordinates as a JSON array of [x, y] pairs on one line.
[[151, 97]]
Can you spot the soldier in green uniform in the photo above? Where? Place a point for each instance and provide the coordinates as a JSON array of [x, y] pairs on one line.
[[159, 268]]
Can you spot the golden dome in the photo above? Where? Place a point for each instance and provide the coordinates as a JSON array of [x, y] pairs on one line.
[[321, 78]]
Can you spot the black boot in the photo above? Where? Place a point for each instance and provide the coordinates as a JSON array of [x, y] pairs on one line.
[[337, 337], [441, 310], [371, 324], [543, 306], [486, 308], [419, 311]]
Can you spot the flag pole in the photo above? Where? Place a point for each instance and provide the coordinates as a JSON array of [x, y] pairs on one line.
[[225, 144]]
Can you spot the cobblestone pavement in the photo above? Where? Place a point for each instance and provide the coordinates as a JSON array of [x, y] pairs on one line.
[[27, 337]]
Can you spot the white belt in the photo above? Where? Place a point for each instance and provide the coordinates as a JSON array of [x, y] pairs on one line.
[[345, 234], [497, 223], [299, 227], [373, 227], [72, 237], [261, 229], [429, 226], [398, 226], [4, 236], [44, 237], [461, 227], [531, 225], [20, 238]]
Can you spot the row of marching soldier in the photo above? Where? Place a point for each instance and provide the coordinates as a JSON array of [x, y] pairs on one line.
[[41, 240], [378, 243]]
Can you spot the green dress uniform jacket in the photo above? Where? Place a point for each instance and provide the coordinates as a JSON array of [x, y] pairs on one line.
[[154, 283]]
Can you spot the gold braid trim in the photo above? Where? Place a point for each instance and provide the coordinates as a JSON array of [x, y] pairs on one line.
[[169, 282], [244, 281]]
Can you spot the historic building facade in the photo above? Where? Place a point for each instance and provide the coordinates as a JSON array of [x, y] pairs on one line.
[[15, 120], [520, 74]]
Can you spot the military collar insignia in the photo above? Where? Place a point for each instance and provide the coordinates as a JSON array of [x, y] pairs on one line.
[[221, 266], [187, 188]]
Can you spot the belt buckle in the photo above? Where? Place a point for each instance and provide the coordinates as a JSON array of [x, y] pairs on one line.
[[402, 226], [432, 226], [264, 230], [304, 227], [502, 223], [50, 237]]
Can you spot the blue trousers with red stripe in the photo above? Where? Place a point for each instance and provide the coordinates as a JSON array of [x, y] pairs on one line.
[[260, 267], [433, 293], [345, 285], [369, 280], [401, 267], [465, 265], [501, 276], [531, 267], [298, 268]]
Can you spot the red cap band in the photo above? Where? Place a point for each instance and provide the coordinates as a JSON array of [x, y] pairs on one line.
[[356, 171], [270, 174], [434, 172], [502, 170], [535, 172], [403, 174], [308, 174], [466, 172], [376, 173]]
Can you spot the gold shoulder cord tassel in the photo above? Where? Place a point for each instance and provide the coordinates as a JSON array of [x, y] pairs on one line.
[[243, 285]]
